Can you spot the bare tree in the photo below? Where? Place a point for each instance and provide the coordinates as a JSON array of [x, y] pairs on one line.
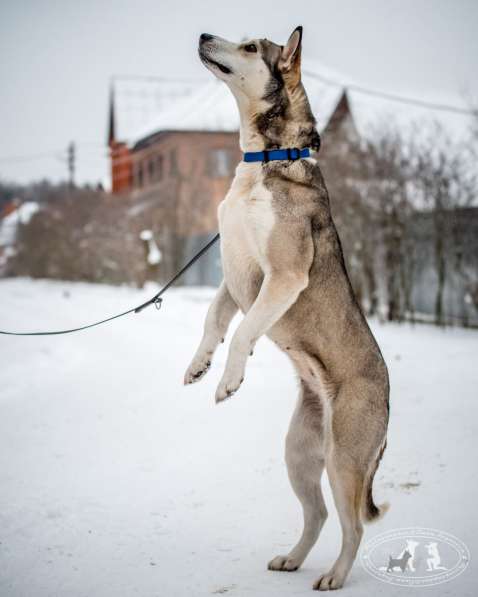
[[445, 180], [386, 193], [343, 165]]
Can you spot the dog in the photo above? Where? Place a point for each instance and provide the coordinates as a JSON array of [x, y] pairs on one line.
[[399, 562], [284, 269], [433, 562]]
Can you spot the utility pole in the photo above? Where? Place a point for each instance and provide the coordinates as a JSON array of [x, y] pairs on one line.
[[71, 151]]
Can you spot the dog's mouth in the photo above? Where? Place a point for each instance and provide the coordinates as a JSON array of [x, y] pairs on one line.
[[222, 67]]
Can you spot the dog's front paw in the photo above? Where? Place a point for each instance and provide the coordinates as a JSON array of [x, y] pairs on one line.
[[229, 385], [197, 369]]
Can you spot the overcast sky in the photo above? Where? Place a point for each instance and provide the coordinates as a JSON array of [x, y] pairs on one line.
[[57, 57]]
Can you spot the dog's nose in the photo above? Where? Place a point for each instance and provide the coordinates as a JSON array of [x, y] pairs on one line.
[[205, 37]]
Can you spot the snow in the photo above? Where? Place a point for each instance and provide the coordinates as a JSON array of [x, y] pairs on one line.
[[211, 107], [154, 256], [138, 100], [9, 224], [117, 480]]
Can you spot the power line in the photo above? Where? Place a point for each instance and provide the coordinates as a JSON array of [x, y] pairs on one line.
[[159, 79], [389, 96], [27, 158], [324, 79], [327, 80], [59, 154]]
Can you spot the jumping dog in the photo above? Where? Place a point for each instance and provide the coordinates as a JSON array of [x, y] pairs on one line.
[[284, 269]]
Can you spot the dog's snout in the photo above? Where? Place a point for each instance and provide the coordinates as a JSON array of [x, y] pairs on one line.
[[205, 37]]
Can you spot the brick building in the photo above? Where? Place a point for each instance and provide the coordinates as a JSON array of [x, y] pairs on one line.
[[197, 135]]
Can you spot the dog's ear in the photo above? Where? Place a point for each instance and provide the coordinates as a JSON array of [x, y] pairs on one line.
[[289, 62]]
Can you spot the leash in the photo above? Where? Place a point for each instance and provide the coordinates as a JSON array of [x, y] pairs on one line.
[[155, 300], [289, 153]]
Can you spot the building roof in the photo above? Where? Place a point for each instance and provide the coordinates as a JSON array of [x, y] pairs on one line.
[[144, 107], [135, 103]]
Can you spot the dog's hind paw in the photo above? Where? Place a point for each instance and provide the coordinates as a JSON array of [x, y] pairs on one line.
[[283, 563], [330, 581]]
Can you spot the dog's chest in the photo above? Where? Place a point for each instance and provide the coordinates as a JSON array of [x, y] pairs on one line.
[[246, 219]]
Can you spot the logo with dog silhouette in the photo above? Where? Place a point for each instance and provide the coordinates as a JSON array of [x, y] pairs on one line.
[[415, 556]]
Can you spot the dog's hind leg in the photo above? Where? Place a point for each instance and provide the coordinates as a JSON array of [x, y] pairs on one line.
[[359, 422], [305, 464], [347, 487]]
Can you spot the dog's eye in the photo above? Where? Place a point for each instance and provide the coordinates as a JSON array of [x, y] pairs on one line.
[[250, 48]]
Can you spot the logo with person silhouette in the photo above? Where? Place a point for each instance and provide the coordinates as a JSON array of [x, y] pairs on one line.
[[415, 557]]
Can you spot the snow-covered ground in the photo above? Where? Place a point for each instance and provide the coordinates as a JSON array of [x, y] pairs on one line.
[[115, 480]]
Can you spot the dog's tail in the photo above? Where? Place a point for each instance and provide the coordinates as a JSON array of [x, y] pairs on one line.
[[370, 511]]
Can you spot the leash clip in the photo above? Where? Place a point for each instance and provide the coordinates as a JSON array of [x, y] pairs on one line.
[[157, 303]]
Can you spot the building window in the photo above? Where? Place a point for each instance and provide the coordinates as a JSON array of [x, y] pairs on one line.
[[139, 175], [159, 167], [173, 163], [221, 163], [151, 171]]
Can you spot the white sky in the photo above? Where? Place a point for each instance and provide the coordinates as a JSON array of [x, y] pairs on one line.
[[56, 59]]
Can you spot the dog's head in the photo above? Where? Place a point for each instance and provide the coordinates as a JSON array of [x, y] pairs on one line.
[[265, 79], [256, 68]]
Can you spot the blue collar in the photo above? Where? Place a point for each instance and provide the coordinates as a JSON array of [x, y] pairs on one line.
[[291, 153]]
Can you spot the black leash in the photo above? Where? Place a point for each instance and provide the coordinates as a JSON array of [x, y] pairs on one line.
[[155, 300]]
